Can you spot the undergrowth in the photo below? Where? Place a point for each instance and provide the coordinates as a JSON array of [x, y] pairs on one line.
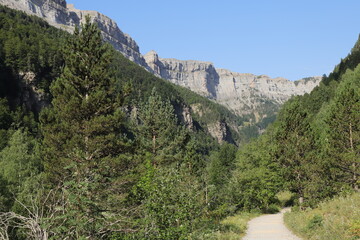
[[337, 219]]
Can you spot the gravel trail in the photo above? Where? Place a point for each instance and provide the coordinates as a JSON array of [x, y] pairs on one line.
[[269, 227]]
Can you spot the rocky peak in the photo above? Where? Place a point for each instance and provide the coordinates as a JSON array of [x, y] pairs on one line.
[[152, 60]]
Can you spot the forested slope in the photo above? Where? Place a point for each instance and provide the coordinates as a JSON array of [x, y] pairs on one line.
[[31, 58], [312, 149], [93, 146]]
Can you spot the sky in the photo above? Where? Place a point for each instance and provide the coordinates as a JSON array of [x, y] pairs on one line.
[[280, 38]]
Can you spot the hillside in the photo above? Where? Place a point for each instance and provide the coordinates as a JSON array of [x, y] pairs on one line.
[[313, 147], [256, 98], [32, 60], [94, 146], [336, 219]]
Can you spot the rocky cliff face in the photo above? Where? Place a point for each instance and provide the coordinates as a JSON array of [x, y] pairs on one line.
[[65, 16], [243, 93], [200, 77]]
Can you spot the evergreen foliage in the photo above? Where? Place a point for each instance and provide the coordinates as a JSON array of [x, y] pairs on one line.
[[82, 134], [158, 131], [314, 142]]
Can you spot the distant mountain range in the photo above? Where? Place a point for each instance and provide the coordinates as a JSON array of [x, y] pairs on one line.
[[243, 93]]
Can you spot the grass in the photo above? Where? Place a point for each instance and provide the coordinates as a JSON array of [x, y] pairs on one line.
[[336, 219], [234, 227]]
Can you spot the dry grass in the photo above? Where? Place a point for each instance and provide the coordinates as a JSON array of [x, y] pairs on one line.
[[337, 219], [231, 228], [234, 227]]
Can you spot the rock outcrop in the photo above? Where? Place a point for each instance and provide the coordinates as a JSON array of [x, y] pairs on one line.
[[219, 131], [200, 77], [33, 97]]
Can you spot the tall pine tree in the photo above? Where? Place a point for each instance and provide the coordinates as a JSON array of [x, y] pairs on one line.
[[83, 142], [344, 129], [158, 132]]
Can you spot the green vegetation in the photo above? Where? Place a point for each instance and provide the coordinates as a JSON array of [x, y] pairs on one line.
[[312, 149], [111, 156], [27, 44], [231, 228], [336, 219]]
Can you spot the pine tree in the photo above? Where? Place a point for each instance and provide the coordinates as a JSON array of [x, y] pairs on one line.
[[344, 129], [294, 143], [83, 141], [158, 131]]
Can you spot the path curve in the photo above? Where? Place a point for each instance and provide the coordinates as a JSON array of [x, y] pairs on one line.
[[269, 227]]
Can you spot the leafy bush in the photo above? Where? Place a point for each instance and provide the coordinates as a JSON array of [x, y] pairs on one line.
[[286, 198], [272, 208]]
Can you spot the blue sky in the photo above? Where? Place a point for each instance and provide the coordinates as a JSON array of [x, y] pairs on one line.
[[279, 38]]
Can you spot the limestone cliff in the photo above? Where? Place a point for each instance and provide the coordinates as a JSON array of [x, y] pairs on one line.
[[243, 93], [200, 77]]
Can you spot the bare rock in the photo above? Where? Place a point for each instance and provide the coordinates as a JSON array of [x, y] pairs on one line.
[[65, 16], [218, 130], [33, 97], [243, 93]]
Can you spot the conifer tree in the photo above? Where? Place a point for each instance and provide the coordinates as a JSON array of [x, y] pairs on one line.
[[158, 131], [18, 161], [82, 135], [294, 143], [344, 129]]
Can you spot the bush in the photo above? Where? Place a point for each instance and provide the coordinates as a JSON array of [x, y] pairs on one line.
[[286, 198], [272, 209]]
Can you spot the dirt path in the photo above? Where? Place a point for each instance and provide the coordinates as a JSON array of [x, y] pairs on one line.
[[269, 227]]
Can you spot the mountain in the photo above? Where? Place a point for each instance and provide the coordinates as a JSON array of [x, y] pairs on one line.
[[243, 93], [31, 58]]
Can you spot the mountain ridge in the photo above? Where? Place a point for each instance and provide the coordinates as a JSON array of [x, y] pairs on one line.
[[243, 93], [239, 92]]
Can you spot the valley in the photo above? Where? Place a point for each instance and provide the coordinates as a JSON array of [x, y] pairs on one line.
[[98, 141]]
